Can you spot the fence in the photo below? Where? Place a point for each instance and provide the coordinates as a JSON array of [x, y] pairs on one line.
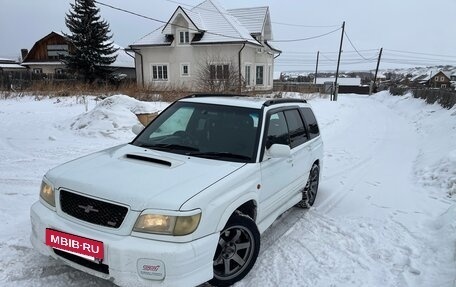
[[20, 80], [297, 87], [446, 98]]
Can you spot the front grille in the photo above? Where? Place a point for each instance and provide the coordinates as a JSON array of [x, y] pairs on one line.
[[103, 268], [92, 210]]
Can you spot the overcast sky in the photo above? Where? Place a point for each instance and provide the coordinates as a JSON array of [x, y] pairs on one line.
[[399, 26]]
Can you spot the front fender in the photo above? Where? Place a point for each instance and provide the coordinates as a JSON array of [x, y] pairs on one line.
[[235, 205]]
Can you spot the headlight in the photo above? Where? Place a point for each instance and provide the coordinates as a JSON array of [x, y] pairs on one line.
[[167, 224], [47, 193]]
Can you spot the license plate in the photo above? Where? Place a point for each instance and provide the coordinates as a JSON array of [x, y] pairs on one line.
[[84, 247]]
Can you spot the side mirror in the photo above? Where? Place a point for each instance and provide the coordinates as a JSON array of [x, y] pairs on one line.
[[279, 151], [136, 129]]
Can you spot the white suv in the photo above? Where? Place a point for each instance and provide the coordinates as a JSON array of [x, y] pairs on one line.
[[186, 201]]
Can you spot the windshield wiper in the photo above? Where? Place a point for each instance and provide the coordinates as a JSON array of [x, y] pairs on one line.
[[169, 147], [216, 155]]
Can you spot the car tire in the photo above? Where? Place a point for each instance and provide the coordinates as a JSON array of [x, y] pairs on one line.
[[309, 193], [237, 250]]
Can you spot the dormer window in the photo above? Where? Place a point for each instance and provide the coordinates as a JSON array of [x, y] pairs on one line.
[[184, 37]]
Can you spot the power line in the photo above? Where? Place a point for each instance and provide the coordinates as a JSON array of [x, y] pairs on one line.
[[351, 43], [411, 56], [305, 39], [213, 33], [332, 52], [419, 53], [166, 22]]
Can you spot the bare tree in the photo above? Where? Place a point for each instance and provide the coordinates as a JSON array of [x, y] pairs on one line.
[[218, 75]]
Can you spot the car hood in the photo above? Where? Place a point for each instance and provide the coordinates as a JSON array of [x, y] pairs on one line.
[[140, 178]]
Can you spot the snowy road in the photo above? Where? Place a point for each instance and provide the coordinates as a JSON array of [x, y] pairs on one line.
[[390, 163]]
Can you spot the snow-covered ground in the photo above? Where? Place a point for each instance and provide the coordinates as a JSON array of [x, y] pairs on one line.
[[384, 215]]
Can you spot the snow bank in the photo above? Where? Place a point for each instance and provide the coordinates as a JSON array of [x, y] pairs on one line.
[[436, 163], [441, 175], [112, 117]]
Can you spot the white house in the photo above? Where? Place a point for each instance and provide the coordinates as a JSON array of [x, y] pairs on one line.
[[208, 35]]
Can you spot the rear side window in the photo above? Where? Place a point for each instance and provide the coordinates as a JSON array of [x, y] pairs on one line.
[[296, 128], [311, 122]]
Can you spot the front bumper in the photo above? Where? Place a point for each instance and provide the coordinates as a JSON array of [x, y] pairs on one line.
[[185, 264]]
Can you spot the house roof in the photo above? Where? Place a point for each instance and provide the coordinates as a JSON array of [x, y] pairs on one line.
[[446, 73], [11, 66], [35, 46], [251, 18], [215, 23], [196, 23], [6, 60], [123, 60]]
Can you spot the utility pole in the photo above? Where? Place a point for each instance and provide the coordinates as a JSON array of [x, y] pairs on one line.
[[334, 98], [376, 70], [316, 68]]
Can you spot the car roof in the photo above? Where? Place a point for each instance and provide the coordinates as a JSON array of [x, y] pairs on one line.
[[240, 101]]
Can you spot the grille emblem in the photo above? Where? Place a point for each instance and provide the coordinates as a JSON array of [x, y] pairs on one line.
[[88, 208]]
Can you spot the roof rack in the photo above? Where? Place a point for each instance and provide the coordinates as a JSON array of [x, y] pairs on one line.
[[266, 103], [213, 95], [282, 101]]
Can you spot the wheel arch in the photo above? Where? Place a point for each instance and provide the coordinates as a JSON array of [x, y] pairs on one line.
[[246, 204]]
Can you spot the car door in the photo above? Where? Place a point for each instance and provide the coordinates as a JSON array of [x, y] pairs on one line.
[[276, 173]]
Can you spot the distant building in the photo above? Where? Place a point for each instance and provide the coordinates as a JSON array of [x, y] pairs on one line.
[[440, 80], [45, 57], [9, 65]]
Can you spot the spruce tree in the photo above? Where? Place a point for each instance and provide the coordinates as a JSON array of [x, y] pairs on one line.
[[93, 51]]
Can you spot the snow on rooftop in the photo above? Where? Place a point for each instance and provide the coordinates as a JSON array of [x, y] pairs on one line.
[[7, 60], [11, 66], [220, 25], [252, 18], [123, 60]]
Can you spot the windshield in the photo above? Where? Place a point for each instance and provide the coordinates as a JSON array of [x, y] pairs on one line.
[[204, 130]]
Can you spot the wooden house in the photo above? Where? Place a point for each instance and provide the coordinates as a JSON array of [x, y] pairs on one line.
[[45, 57], [440, 80]]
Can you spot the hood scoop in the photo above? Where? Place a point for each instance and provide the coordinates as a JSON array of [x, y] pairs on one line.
[[148, 159]]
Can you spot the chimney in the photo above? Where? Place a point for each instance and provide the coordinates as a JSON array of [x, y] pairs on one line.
[[24, 53]]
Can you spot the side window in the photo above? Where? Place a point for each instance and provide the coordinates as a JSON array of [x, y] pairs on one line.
[[277, 130], [296, 128], [311, 122]]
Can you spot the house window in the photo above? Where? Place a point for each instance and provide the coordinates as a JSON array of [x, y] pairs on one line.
[[247, 75], [37, 70], [443, 86], [55, 52], [259, 75], [436, 79], [59, 71], [442, 79], [185, 70], [184, 37], [269, 74], [160, 72], [219, 71]]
